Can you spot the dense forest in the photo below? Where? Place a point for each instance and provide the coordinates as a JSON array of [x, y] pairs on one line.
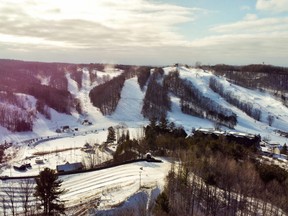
[[44, 81], [143, 74], [107, 95], [18, 116], [156, 101]]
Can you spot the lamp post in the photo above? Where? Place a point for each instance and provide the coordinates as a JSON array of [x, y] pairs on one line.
[[141, 168], [139, 179]]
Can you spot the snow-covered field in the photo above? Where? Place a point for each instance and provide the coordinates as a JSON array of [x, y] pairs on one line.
[[114, 185], [108, 187]]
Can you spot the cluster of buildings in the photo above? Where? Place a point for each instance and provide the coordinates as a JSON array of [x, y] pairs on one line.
[[232, 136], [271, 148]]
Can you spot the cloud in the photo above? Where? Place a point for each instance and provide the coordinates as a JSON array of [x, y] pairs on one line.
[[132, 31], [89, 24], [251, 24], [250, 17], [277, 6], [250, 40]]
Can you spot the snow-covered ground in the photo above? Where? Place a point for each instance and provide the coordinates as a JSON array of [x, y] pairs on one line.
[[108, 187], [45, 139], [115, 185], [264, 101], [128, 113], [56, 152], [129, 108]]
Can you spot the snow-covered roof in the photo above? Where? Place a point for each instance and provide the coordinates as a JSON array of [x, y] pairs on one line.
[[273, 143]]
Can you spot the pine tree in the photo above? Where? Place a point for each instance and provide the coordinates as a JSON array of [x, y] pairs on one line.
[[162, 204], [111, 137], [284, 149], [48, 191], [163, 123], [127, 135]]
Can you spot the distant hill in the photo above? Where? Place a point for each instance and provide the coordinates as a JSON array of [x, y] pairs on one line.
[[247, 98]]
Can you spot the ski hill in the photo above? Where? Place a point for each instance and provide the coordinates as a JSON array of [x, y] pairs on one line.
[[59, 137], [129, 107]]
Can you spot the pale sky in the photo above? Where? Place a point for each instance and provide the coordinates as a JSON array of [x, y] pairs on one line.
[[145, 32]]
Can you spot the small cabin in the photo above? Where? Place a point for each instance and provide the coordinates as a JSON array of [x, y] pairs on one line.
[[68, 167], [66, 128], [86, 122], [275, 147], [39, 160]]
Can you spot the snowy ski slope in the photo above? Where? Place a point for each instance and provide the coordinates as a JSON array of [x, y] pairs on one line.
[[129, 108]]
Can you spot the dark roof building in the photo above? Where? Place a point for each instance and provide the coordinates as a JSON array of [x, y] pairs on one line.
[[68, 167], [232, 136]]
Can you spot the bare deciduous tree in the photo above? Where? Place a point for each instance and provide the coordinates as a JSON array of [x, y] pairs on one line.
[[26, 188], [3, 200], [10, 191]]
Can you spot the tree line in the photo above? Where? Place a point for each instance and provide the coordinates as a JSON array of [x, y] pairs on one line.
[[25, 77], [107, 95], [193, 102], [159, 138], [60, 100], [233, 99], [143, 74], [264, 77], [3, 147], [15, 115], [156, 102]]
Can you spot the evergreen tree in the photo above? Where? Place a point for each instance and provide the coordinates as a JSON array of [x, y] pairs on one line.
[[163, 123], [153, 122], [111, 137], [171, 126], [122, 138], [284, 149], [127, 135], [162, 204], [48, 191]]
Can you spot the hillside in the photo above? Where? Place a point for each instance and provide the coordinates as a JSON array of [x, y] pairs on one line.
[[52, 95], [95, 97]]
